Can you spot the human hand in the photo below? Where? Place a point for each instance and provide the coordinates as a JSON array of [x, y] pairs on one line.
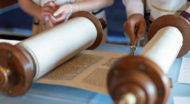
[[135, 21], [47, 10], [62, 13]]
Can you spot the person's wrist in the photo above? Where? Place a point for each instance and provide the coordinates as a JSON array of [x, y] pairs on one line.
[[70, 7], [39, 15]]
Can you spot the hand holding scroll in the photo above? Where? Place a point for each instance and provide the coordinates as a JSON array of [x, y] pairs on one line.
[[61, 14], [135, 21], [47, 10]]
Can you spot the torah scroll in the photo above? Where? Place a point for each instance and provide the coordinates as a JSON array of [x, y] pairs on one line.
[[32, 58]]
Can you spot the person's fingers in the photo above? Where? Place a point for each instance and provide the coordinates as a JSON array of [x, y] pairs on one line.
[[50, 22], [141, 29], [46, 13], [58, 11], [51, 4], [52, 19], [132, 35], [135, 26], [48, 9], [129, 28], [61, 17]]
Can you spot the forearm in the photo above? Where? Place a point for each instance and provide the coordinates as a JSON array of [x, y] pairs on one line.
[[134, 7], [87, 5], [31, 8]]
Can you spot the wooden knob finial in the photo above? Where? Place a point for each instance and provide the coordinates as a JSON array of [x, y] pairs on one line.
[[15, 70], [128, 98], [140, 77]]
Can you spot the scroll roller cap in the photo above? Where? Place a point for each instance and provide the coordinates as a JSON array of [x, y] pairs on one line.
[[15, 71]]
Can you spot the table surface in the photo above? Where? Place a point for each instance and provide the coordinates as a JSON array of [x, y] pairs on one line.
[[54, 94]]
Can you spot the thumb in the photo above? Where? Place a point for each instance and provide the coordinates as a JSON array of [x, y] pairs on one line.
[[57, 12], [141, 29]]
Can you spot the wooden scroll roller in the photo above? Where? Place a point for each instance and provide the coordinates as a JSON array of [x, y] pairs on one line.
[[142, 79], [32, 58]]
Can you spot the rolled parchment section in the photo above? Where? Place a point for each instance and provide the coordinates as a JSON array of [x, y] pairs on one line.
[[142, 78]]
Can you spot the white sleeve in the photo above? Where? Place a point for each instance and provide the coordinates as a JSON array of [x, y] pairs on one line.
[[134, 7]]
